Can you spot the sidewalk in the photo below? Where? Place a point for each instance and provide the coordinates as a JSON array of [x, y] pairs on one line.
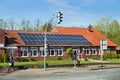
[[98, 61], [64, 69]]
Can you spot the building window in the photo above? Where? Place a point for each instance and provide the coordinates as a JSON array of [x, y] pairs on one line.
[[34, 51], [93, 51], [42, 51], [52, 52], [24, 51], [59, 52], [108, 50], [77, 51], [87, 51]]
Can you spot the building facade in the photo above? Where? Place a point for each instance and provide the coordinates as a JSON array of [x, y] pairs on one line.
[[30, 45]]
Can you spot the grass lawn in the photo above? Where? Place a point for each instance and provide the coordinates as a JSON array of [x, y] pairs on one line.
[[54, 62], [41, 62], [113, 60]]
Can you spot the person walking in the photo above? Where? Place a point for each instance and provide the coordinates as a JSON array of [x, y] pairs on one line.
[[74, 59], [11, 64]]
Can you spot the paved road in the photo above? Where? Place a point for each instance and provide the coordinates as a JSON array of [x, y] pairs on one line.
[[82, 73]]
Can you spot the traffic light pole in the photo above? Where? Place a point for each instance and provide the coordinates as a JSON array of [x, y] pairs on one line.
[[45, 40], [59, 17]]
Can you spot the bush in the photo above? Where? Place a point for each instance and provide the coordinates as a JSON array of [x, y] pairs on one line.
[[32, 59], [24, 60], [56, 58], [114, 56], [59, 58], [104, 57], [109, 56], [0, 58], [96, 57], [3, 58], [69, 52], [86, 59], [118, 55]]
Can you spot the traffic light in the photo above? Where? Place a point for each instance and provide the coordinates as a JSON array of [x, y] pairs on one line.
[[59, 17]]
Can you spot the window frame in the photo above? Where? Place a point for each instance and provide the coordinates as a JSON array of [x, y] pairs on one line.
[[87, 50], [32, 49], [24, 51], [50, 50], [42, 52], [58, 52], [94, 51]]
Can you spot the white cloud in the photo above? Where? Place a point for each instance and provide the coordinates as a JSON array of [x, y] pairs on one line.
[[61, 3], [64, 6]]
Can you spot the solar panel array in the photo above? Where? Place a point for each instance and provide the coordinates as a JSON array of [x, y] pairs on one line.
[[53, 39]]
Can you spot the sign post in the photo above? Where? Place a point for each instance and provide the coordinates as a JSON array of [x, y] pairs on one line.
[[103, 46]]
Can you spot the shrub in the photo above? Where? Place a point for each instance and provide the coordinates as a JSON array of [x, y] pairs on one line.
[[3, 58], [118, 55], [0, 58], [114, 55], [24, 60], [69, 52], [107, 56], [86, 59], [104, 57], [96, 57], [32, 59], [110, 56], [56, 58], [59, 58]]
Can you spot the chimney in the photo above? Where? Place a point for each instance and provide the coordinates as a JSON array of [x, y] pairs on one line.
[[90, 28]]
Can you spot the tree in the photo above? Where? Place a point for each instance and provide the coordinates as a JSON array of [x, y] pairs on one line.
[[47, 26], [69, 52], [26, 25], [3, 24], [37, 25], [11, 24], [109, 27]]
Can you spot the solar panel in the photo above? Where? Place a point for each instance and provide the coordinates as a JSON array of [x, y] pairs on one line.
[[52, 39]]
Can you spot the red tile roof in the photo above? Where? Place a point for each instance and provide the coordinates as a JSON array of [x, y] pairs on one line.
[[14, 39], [94, 36], [2, 37]]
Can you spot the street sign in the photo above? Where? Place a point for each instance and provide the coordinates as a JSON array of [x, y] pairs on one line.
[[103, 44]]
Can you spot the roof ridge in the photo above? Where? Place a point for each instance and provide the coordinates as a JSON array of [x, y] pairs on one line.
[[66, 27]]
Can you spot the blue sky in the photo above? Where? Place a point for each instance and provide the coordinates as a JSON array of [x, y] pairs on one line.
[[75, 12]]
